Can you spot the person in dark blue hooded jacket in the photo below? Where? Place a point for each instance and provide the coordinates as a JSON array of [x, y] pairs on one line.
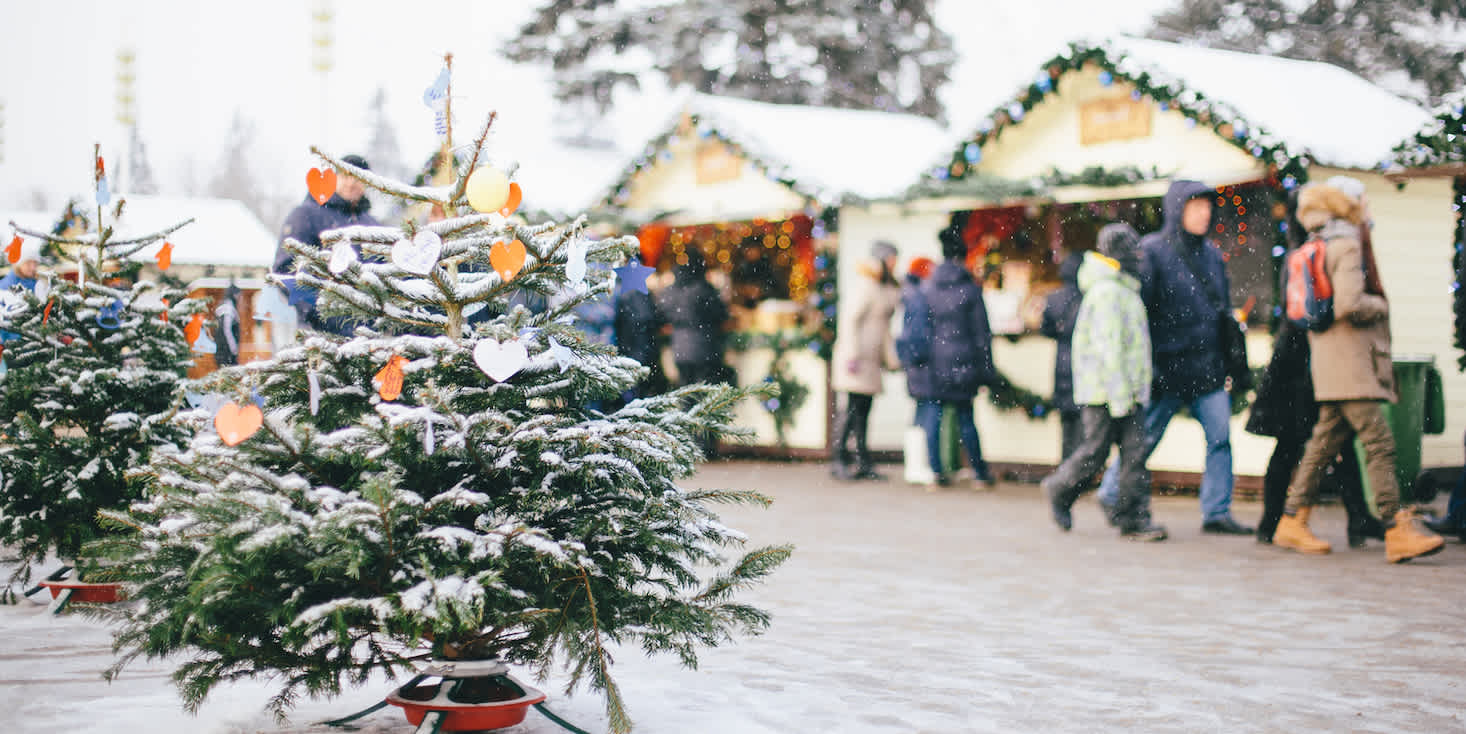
[[1061, 310], [347, 206], [1186, 292], [961, 359]]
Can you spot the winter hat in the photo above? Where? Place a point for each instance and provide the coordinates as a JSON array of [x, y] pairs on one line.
[[881, 249], [920, 267], [1121, 243], [953, 246], [357, 161], [1350, 186]]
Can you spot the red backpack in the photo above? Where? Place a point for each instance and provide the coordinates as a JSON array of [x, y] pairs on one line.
[[1308, 297]]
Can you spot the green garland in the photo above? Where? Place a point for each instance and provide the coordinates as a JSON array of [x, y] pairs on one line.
[[1443, 142], [656, 149], [825, 299], [1115, 67], [1458, 262], [791, 393]]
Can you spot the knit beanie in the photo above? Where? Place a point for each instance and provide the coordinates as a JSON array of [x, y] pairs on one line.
[[1121, 243]]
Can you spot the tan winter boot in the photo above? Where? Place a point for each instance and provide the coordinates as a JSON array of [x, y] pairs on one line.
[[1293, 533], [1408, 539]]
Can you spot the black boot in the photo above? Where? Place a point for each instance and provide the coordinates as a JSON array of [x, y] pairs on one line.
[[839, 455], [865, 468], [1363, 525]]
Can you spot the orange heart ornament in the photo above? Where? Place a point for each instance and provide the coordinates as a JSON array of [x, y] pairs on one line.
[[235, 424], [193, 329], [12, 250], [507, 259], [165, 256], [389, 378], [321, 184], [516, 195]]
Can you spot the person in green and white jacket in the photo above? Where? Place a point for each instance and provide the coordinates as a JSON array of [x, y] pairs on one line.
[[1112, 376]]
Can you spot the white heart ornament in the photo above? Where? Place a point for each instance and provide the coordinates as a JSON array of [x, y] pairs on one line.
[[43, 288], [500, 361], [418, 255], [343, 256], [575, 263]]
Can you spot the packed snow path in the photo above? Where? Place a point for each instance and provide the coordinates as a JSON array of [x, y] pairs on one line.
[[959, 611]]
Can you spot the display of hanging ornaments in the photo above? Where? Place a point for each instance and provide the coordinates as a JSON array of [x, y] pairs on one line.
[[165, 256], [575, 263], [516, 195], [507, 259], [436, 99], [110, 316], [343, 256], [418, 255], [313, 384], [562, 355], [235, 424], [500, 361], [194, 329], [487, 189], [632, 277], [389, 379], [104, 194], [320, 184]]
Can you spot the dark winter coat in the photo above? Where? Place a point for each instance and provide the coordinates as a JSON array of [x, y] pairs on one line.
[[305, 225], [1283, 406], [1184, 312], [1060, 311], [638, 322], [697, 314], [962, 341], [308, 220], [914, 344]]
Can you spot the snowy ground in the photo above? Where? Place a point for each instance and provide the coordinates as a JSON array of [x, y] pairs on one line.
[[904, 611]]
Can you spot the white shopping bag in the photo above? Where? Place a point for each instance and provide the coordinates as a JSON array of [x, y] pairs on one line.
[[918, 466]]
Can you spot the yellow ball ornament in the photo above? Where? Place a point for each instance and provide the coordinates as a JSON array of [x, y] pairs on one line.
[[488, 189]]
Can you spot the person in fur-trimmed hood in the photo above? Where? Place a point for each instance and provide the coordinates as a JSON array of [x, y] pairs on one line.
[[1353, 376], [863, 350]]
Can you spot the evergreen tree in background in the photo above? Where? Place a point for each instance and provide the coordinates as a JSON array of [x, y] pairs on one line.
[[140, 179], [382, 149], [236, 175], [399, 504], [93, 371], [884, 55], [1377, 39]]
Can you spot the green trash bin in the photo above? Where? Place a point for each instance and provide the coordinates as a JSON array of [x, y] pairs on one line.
[[1420, 406], [951, 440]]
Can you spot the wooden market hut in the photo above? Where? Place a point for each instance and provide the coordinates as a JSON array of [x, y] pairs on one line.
[[1096, 135], [757, 187]]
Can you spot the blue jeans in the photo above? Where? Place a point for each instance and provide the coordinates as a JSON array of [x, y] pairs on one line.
[[1214, 411], [929, 417]]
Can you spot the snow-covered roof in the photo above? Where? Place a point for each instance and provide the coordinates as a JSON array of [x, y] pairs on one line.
[[1335, 116], [1278, 110], [824, 153], [224, 231]]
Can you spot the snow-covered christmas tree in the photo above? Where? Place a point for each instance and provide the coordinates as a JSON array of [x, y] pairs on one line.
[[93, 367], [434, 486]]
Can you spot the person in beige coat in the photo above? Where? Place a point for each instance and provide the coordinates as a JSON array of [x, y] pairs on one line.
[[1353, 377], [863, 350]]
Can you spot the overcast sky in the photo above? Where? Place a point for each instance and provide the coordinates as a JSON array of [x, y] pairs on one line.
[[199, 62]]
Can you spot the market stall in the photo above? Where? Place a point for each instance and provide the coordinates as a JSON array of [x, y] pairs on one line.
[[755, 187], [1096, 136]]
